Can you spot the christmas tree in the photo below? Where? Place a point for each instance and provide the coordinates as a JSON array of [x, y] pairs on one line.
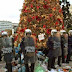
[[40, 16], [66, 13]]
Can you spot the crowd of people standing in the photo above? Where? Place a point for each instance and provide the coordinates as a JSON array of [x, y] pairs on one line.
[[59, 45]]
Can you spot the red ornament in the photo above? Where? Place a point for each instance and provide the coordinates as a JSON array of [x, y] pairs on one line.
[[54, 8], [28, 11], [60, 20], [50, 15], [33, 17], [36, 17], [25, 7], [60, 11], [31, 6], [48, 31], [39, 19], [25, 11], [38, 7], [25, 28], [29, 20], [56, 23], [22, 30], [45, 6], [44, 26]]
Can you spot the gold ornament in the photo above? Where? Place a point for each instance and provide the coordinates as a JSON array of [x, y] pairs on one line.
[[33, 10]]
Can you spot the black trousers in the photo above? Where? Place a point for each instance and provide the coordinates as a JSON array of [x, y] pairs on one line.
[[0, 56], [31, 69], [59, 60], [51, 63], [68, 57], [9, 67], [63, 57]]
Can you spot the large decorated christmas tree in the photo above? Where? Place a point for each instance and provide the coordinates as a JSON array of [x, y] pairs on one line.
[[40, 16]]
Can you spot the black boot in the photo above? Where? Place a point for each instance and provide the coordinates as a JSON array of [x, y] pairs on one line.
[[49, 64], [32, 67], [67, 61], [53, 63], [9, 67], [27, 68], [59, 59]]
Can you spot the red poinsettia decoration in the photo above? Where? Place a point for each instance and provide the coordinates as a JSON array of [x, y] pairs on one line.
[[25, 11], [38, 7], [45, 6], [54, 8], [60, 20], [60, 10], [31, 5], [38, 18], [28, 11], [33, 17], [25, 28], [56, 23], [25, 7], [44, 26], [29, 20], [22, 30], [50, 15], [48, 31]]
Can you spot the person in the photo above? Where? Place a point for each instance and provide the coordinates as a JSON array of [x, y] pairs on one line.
[[52, 44], [28, 48], [7, 50], [59, 48], [64, 44], [0, 48], [69, 46]]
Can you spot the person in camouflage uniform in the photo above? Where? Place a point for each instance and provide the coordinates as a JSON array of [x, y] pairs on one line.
[[64, 45], [69, 46], [6, 46], [28, 48], [53, 45]]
